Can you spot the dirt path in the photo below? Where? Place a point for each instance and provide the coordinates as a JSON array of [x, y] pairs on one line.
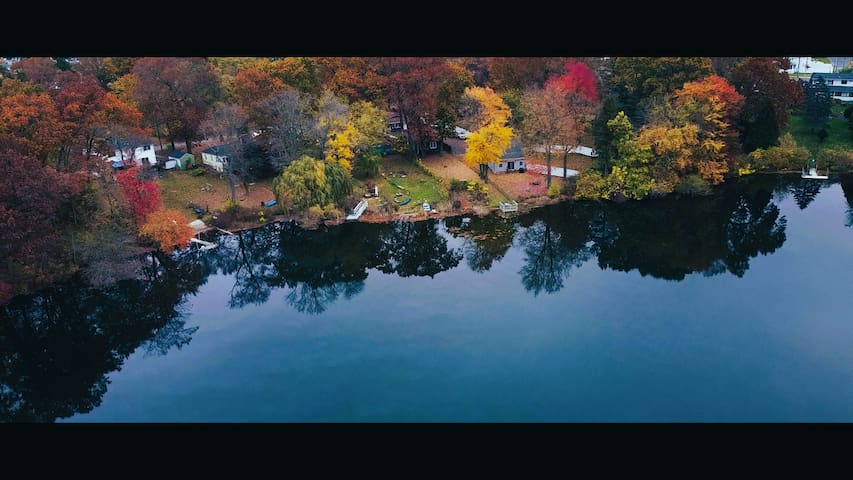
[[449, 166]]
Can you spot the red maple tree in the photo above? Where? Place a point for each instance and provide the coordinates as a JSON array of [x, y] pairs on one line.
[[143, 197]]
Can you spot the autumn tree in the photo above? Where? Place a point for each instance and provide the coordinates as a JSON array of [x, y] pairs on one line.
[[332, 115], [168, 228], [252, 86], [34, 200], [309, 182], [175, 93], [579, 86], [142, 196], [413, 85], [450, 92], [13, 86], [288, 126], [578, 80], [354, 78], [480, 106], [91, 113], [769, 94], [225, 122], [35, 122], [340, 146], [39, 70], [300, 73], [520, 72], [712, 104], [650, 76], [486, 145], [643, 78], [227, 68], [548, 121]]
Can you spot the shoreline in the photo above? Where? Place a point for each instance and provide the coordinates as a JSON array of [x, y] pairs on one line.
[[524, 206]]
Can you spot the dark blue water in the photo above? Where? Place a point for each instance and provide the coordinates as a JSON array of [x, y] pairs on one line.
[[734, 307]]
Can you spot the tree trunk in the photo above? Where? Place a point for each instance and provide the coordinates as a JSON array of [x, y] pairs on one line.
[[159, 138], [565, 162], [172, 140], [232, 186], [189, 145], [246, 187], [548, 161]]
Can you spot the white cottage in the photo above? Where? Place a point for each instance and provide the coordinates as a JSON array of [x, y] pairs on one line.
[[142, 155], [217, 157], [511, 160]]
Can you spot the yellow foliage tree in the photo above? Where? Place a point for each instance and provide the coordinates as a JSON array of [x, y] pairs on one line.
[[169, 228], [487, 145], [340, 146], [482, 106]]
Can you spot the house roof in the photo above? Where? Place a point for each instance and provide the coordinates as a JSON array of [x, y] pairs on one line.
[[832, 76], [220, 150], [125, 144], [514, 151], [177, 154]]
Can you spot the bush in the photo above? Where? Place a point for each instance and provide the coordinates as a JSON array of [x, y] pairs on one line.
[[332, 212], [786, 156], [693, 185], [591, 185], [367, 164], [835, 159], [400, 145], [312, 217], [554, 189], [458, 185]]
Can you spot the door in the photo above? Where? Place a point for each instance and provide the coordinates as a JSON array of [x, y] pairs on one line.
[[510, 166]]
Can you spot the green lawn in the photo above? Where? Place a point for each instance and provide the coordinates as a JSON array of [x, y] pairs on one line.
[[839, 135], [415, 182], [179, 187]]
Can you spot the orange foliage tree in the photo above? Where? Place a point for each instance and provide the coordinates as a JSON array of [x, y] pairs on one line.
[[712, 104], [169, 228]]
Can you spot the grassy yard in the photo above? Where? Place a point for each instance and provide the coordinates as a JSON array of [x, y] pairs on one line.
[[414, 182], [839, 135], [208, 191]]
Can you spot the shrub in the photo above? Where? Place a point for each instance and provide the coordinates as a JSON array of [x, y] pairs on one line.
[[785, 156], [332, 212], [693, 185], [591, 185], [366, 164], [311, 218], [458, 185], [554, 189], [835, 159]]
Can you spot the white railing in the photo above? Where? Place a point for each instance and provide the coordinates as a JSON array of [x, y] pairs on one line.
[[508, 206]]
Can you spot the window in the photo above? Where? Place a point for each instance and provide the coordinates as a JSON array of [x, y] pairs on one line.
[[433, 145], [520, 163], [146, 148], [844, 82]]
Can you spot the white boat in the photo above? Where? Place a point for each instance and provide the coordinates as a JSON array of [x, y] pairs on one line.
[[813, 174], [426, 207]]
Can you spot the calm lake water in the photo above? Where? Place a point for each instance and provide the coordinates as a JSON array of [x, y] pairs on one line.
[[734, 307]]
